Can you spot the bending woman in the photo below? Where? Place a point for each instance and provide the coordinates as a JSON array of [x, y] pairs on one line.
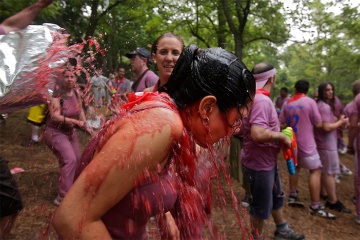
[[65, 112], [140, 162]]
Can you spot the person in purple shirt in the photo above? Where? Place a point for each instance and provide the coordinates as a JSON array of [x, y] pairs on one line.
[[326, 141], [261, 131], [340, 140], [353, 148], [140, 61], [284, 96], [302, 114]]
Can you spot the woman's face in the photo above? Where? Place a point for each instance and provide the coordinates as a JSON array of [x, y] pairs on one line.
[[69, 79], [167, 54], [219, 125]]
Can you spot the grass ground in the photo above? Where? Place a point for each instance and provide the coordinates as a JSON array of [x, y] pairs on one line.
[[38, 186]]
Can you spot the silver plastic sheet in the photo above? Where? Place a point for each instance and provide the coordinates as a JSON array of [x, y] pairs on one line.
[[30, 60]]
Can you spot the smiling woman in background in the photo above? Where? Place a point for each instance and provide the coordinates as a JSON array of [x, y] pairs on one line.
[[165, 52]]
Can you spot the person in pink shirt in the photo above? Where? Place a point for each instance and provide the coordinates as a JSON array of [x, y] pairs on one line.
[[261, 131], [302, 114], [284, 96], [326, 141], [352, 109], [140, 61]]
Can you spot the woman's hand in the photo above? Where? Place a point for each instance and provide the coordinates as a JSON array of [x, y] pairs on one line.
[[173, 230], [81, 123]]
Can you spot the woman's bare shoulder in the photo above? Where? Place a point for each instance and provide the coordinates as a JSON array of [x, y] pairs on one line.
[[162, 116]]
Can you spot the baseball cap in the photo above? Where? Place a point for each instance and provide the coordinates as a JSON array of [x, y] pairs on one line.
[[143, 52]]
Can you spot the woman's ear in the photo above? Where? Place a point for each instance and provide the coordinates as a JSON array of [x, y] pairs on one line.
[[206, 106]]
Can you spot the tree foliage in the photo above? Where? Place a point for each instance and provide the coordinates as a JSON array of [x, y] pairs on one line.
[[255, 30], [332, 54]]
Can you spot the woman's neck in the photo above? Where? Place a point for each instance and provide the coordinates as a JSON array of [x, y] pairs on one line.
[[163, 81], [67, 92]]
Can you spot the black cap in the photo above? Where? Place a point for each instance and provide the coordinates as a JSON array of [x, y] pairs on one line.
[[143, 52]]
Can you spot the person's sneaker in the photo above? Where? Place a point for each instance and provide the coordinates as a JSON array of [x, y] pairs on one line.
[[294, 202], [289, 234], [337, 178], [245, 202], [345, 171], [342, 150], [357, 219], [339, 206], [321, 212]]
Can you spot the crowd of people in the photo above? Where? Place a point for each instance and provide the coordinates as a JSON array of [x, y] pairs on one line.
[[139, 165]]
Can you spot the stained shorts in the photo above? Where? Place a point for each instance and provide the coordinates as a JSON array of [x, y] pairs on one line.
[[330, 161], [266, 192], [310, 162], [10, 199]]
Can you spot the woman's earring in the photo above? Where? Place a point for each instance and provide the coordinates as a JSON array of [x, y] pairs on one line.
[[206, 120]]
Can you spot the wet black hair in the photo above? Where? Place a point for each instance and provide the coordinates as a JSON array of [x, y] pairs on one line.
[[302, 86], [321, 96], [213, 71]]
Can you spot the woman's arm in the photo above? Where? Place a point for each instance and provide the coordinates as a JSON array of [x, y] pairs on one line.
[[57, 116], [139, 144]]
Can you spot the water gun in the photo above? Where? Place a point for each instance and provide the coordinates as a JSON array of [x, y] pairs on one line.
[[290, 154]]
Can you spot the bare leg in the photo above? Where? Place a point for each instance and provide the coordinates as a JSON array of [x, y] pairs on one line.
[[278, 216], [314, 185], [256, 226], [328, 182], [293, 179]]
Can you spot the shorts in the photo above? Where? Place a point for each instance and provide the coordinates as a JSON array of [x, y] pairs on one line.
[[10, 199], [310, 162], [330, 161], [265, 190]]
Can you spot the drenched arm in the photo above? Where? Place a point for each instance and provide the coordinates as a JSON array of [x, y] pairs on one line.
[[259, 134], [23, 18], [111, 173]]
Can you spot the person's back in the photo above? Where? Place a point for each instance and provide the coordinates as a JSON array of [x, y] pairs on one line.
[[301, 113], [149, 79]]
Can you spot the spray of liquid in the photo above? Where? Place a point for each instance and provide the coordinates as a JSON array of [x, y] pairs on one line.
[[195, 170]]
